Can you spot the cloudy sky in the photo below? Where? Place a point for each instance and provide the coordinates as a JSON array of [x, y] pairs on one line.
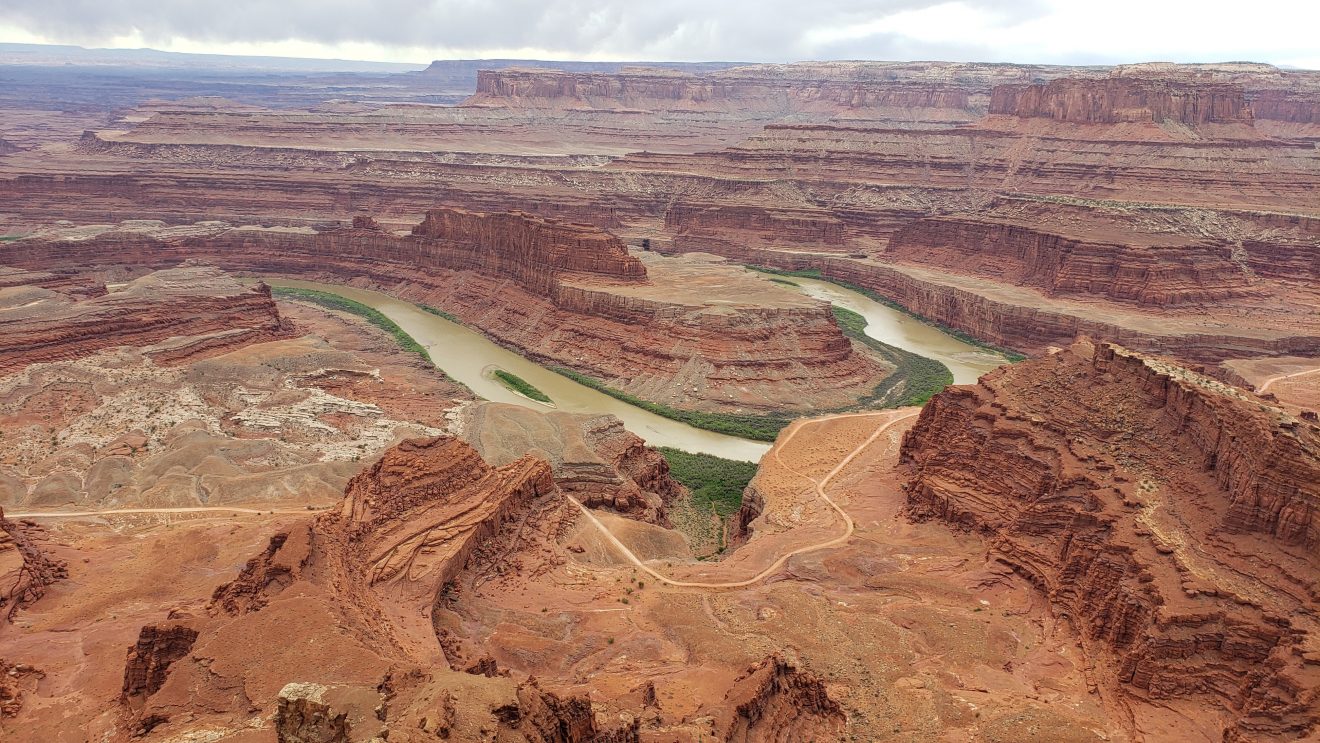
[[1285, 32]]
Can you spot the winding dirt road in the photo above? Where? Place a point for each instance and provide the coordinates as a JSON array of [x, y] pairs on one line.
[[819, 485], [1280, 377], [820, 492]]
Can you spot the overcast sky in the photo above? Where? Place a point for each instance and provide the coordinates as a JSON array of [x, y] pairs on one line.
[[1285, 32]]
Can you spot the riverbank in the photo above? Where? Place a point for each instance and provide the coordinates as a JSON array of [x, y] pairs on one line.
[[815, 274], [915, 379], [467, 357]]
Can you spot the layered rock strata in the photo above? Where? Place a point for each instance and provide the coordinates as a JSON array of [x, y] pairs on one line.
[[359, 584], [1067, 250], [41, 325], [565, 294], [594, 459], [1123, 99], [774, 700], [36, 570], [1172, 518], [749, 92]]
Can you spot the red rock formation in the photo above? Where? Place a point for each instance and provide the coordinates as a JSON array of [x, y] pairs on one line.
[[533, 250], [542, 715], [358, 585], [71, 284], [1282, 105], [41, 325], [720, 228], [1032, 328], [16, 680], [594, 458], [1065, 250], [37, 571], [149, 660], [593, 315], [773, 701], [1174, 519], [365, 222], [406, 526], [1123, 99], [750, 91]]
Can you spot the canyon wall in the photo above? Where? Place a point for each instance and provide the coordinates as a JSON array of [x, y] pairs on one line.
[[638, 336], [1086, 255], [42, 325], [742, 90], [1173, 519], [1030, 328], [534, 250], [1123, 99], [721, 228], [1282, 105]]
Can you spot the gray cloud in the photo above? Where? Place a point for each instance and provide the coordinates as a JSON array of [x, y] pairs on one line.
[[741, 30], [764, 30]]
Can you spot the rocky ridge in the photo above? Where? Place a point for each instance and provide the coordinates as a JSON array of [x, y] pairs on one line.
[[1136, 495], [36, 569], [42, 325], [1123, 99], [594, 458]]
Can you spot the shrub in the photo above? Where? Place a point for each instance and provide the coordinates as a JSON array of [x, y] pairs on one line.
[[521, 386], [716, 483]]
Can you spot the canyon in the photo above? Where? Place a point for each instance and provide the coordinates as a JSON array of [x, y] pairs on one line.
[[232, 512], [680, 331]]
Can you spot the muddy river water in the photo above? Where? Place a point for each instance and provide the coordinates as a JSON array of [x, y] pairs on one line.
[[470, 358]]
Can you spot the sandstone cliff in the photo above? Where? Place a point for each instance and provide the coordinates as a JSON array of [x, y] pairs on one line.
[[1123, 99], [560, 293], [1172, 518], [531, 249], [725, 228], [43, 325], [821, 90], [1069, 250], [594, 458], [35, 570]]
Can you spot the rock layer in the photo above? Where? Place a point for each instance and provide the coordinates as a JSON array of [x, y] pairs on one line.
[[1064, 250], [1123, 99], [594, 458], [561, 293], [775, 701], [1138, 496], [37, 569], [44, 326]]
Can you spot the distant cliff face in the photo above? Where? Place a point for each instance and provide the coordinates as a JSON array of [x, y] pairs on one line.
[[747, 90], [1064, 250], [1123, 99], [527, 246], [1174, 519]]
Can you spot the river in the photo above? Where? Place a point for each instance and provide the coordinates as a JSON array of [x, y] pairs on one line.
[[470, 358], [884, 323]]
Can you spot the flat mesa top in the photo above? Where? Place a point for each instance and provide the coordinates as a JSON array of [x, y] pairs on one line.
[[702, 280]]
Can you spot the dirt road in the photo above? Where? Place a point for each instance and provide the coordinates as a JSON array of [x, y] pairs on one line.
[[820, 485]]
